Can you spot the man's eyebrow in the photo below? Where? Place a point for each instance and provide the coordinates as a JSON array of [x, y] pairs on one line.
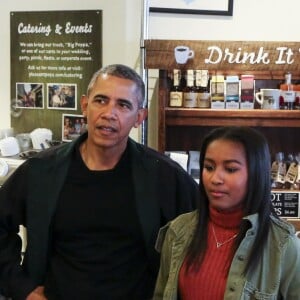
[[101, 95]]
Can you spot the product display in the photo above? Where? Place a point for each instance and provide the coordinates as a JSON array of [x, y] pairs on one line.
[[202, 87], [189, 92], [176, 95], [288, 95]]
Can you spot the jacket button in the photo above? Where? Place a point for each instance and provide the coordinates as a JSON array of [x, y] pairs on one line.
[[231, 289], [241, 258]]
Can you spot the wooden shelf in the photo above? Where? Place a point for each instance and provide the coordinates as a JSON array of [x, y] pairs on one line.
[[183, 129], [214, 117]]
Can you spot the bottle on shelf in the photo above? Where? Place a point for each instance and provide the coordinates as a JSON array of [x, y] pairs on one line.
[[291, 173], [202, 88], [189, 92], [297, 96], [278, 171], [176, 94], [297, 182], [288, 95]]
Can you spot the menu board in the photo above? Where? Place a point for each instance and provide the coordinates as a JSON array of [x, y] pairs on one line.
[[286, 203]]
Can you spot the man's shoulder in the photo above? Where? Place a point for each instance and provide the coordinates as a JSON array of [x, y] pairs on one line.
[[52, 156]]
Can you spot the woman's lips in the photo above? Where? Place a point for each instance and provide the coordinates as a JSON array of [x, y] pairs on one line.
[[217, 194]]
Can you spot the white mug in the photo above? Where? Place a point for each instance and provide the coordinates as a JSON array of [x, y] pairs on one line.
[[183, 54], [268, 98]]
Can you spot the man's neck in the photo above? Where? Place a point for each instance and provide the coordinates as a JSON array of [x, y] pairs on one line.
[[100, 159]]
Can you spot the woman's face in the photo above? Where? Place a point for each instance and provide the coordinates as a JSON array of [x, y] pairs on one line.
[[225, 174]]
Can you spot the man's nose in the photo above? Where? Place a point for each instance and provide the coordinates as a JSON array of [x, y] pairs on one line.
[[110, 110]]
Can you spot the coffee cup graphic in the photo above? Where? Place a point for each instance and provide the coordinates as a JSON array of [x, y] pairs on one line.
[[183, 54]]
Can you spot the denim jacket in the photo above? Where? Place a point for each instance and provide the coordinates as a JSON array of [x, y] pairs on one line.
[[276, 277]]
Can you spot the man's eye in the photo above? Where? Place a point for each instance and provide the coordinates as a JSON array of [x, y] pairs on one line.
[[99, 100], [125, 105]]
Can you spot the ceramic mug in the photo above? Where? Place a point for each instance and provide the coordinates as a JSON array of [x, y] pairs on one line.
[[183, 54], [268, 98]]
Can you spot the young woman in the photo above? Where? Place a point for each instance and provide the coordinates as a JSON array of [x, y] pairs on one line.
[[233, 246]]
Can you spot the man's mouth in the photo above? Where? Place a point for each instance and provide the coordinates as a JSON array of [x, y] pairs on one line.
[[107, 128]]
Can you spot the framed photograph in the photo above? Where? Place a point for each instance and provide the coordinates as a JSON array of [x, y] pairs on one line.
[[62, 96], [72, 126], [200, 7], [29, 95]]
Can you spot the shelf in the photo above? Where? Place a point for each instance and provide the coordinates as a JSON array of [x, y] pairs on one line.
[[214, 117]]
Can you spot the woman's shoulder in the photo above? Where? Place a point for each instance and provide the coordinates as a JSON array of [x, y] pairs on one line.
[[184, 222], [282, 226], [284, 232], [180, 228]]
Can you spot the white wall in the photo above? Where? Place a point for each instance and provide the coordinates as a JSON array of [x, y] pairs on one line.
[[270, 20]]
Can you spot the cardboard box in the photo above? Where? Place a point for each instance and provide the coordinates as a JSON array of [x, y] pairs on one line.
[[217, 87], [232, 92], [247, 92]]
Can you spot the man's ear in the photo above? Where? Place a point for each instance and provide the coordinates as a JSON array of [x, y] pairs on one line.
[[142, 115], [84, 104]]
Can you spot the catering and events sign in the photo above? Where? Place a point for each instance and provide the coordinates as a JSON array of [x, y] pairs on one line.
[[53, 56]]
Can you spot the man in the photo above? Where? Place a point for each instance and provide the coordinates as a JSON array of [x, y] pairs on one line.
[[92, 207]]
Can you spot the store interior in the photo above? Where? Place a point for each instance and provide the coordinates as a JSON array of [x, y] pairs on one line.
[[128, 25]]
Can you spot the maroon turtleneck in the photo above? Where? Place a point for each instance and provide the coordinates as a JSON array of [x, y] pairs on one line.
[[210, 281]]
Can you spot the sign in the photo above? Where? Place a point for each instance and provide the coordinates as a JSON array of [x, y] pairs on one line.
[[226, 55], [53, 57], [286, 203]]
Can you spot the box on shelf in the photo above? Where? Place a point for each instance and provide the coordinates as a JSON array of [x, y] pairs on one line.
[[232, 92], [217, 87], [247, 92]]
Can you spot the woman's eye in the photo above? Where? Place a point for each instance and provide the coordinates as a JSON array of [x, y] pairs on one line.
[[208, 167], [231, 170]]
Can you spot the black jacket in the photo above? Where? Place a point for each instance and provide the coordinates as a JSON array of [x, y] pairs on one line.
[[163, 190]]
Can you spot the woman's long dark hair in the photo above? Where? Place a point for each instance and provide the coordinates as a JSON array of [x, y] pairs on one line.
[[258, 196]]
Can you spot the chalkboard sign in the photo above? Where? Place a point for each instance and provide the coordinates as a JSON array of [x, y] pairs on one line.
[[286, 203]]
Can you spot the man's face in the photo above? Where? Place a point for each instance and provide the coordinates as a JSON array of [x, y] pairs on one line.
[[112, 111]]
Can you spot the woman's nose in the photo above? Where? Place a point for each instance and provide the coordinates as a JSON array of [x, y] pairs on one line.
[[217, 177]]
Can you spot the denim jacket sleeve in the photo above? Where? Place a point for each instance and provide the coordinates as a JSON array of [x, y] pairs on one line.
[[290, 287]]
